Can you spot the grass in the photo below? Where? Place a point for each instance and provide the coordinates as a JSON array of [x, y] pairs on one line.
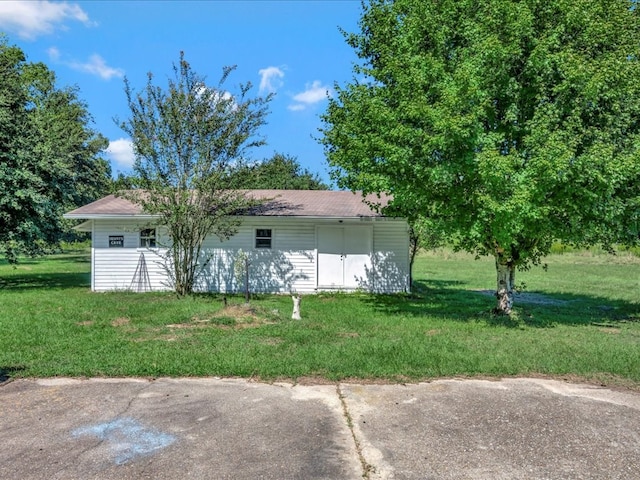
[[584, 323]]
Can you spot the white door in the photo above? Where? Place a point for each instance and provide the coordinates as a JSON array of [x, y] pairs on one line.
[[344, 256]]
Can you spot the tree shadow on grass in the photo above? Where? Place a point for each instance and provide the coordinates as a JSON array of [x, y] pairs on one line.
[[438, 298], [57, 257], [451, 300], [77, 258], [7, 373], [35, 281], [44, 272], [571, 309]]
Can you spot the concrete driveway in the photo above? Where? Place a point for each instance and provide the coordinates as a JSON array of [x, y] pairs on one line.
[[237, 429]]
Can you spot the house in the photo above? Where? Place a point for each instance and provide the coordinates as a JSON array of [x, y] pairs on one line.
[[301, 241]]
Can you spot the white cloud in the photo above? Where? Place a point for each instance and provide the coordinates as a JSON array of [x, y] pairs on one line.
[[270, 79], [31, 19], [216, 96], [54, 53], [121, 152], [314, 93], [219, 96], [95, 65]]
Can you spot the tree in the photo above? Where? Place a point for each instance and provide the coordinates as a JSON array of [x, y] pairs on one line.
[[511, 124], [424, 234], [49, 156], [280, 172], [121, 183], [187, 138]]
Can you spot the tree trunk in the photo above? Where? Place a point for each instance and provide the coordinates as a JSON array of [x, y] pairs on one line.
[[412, 257], [506, 272], [414, 247]]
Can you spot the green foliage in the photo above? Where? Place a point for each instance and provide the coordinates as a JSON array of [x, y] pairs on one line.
[[510, 124], [187, 138], [122, 182], [280, 172], [562, 248], [49, 156], [633, 250]]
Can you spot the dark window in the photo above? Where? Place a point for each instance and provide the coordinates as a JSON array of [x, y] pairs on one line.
[[148, 238], [263, 238]]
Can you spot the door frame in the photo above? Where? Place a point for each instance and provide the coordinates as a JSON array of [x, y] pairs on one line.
[[368, 229]]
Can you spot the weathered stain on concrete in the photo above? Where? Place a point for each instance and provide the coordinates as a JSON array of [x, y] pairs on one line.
[[127, 438]]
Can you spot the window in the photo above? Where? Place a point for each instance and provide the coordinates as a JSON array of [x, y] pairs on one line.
[[148, 238], [263, 238]]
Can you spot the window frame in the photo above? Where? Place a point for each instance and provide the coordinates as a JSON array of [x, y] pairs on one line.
[[257, 239], [150, 239]]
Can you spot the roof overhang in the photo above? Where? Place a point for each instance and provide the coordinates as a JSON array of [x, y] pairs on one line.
[[360, 218], [89, 218], [84, 226], [274, 203], [98, 216]]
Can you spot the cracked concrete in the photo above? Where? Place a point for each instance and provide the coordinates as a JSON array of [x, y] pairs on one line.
[[229, 428]]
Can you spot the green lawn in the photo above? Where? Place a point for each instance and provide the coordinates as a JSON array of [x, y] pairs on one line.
[[585, 324]]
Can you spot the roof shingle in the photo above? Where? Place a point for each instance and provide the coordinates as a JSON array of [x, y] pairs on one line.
[[286, 203]]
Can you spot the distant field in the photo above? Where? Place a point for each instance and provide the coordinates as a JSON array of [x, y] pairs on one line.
[[580, 319]]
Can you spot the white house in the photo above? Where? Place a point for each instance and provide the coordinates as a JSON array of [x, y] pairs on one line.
[[301, 241]]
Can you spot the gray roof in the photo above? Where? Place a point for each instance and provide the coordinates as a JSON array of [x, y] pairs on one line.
[[286, 203]]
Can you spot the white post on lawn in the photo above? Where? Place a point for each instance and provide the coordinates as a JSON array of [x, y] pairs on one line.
[[296, 307]]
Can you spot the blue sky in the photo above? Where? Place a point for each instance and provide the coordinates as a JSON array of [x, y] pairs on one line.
[[292, 48]]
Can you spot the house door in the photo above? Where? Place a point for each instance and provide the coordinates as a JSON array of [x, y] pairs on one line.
[[344, 256]]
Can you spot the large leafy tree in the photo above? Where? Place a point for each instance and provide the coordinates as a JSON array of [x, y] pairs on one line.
[[280, 172], [187, 139], [122, 182], [49, 156], [508, 123]]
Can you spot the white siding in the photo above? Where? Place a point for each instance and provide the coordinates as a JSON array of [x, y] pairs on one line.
[[390, 257], [115, 268], [289, 266]]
